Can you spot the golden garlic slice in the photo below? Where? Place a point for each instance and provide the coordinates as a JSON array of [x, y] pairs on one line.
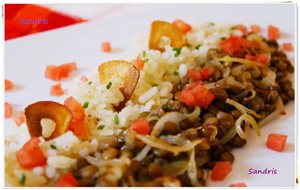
[[163, 28], [124, 70], [40, 111]]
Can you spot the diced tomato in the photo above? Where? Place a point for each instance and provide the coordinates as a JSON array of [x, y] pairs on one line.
[[276, 142], [192, 85], [203, 73], [64, 70], [19, 118], [194, 74], [196, 95], [287, 46], [238, 185], [75, 108], [141, 126], [52, 72], [183, 26], [250, 57], [231, 46], [242, 28], [106, 47], [261, 58], [206, 72], [273, 32], [31, 155], [56, 90], [8, 85], [84, 78], [187, 97], [221, 170], [79, 129], [234, 45], [67, 180], [77, 123], [8, 110], [203, 96], [139, 63], [255, 28], [57, 73]]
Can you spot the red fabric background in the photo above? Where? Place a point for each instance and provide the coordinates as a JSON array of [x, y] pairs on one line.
[[15, 12]]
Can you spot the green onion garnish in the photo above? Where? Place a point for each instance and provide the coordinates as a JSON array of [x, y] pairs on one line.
[[233, 28], [108, 85], [146, 60], [116, 118], [90, 83], [223, 38], [198, 46], [153, 85], [144, 54], [178, 51], [101, 127], [188, 45], [22, 179], [85, 104], [175, 73], [211, 24], [52, 146]]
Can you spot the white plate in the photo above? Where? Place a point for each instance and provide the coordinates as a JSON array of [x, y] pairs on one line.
[[26, 59]]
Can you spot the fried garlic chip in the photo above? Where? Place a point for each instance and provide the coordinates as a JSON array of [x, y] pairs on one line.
[[124, 70], [49, 110], [163, 28]]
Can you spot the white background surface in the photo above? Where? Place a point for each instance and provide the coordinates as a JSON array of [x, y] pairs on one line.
[[26, 59]]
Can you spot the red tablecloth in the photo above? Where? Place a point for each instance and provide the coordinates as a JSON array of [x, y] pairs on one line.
[[25, 19]]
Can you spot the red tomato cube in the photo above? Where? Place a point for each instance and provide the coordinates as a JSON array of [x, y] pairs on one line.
[[8, 85], [8, 110], [287, 46], [221, 170], [141, 126], [242, 28], [75, 108], [255, 28], [139, 63], [56, 90], [67, 180], [106, 47], [31, 155], [273, 32], [276, 142]]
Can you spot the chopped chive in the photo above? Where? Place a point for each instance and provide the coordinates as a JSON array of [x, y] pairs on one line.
[[146, 60], [22, 179], [144, 54], [52, 146], [153, 85], [85, 104], [108, 85], [223, 38], [101, 127], [116, 118], [188, 45], [177, 51], [233, 28], [198, 46], [211, 24], [90, 83], [175, 73]]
